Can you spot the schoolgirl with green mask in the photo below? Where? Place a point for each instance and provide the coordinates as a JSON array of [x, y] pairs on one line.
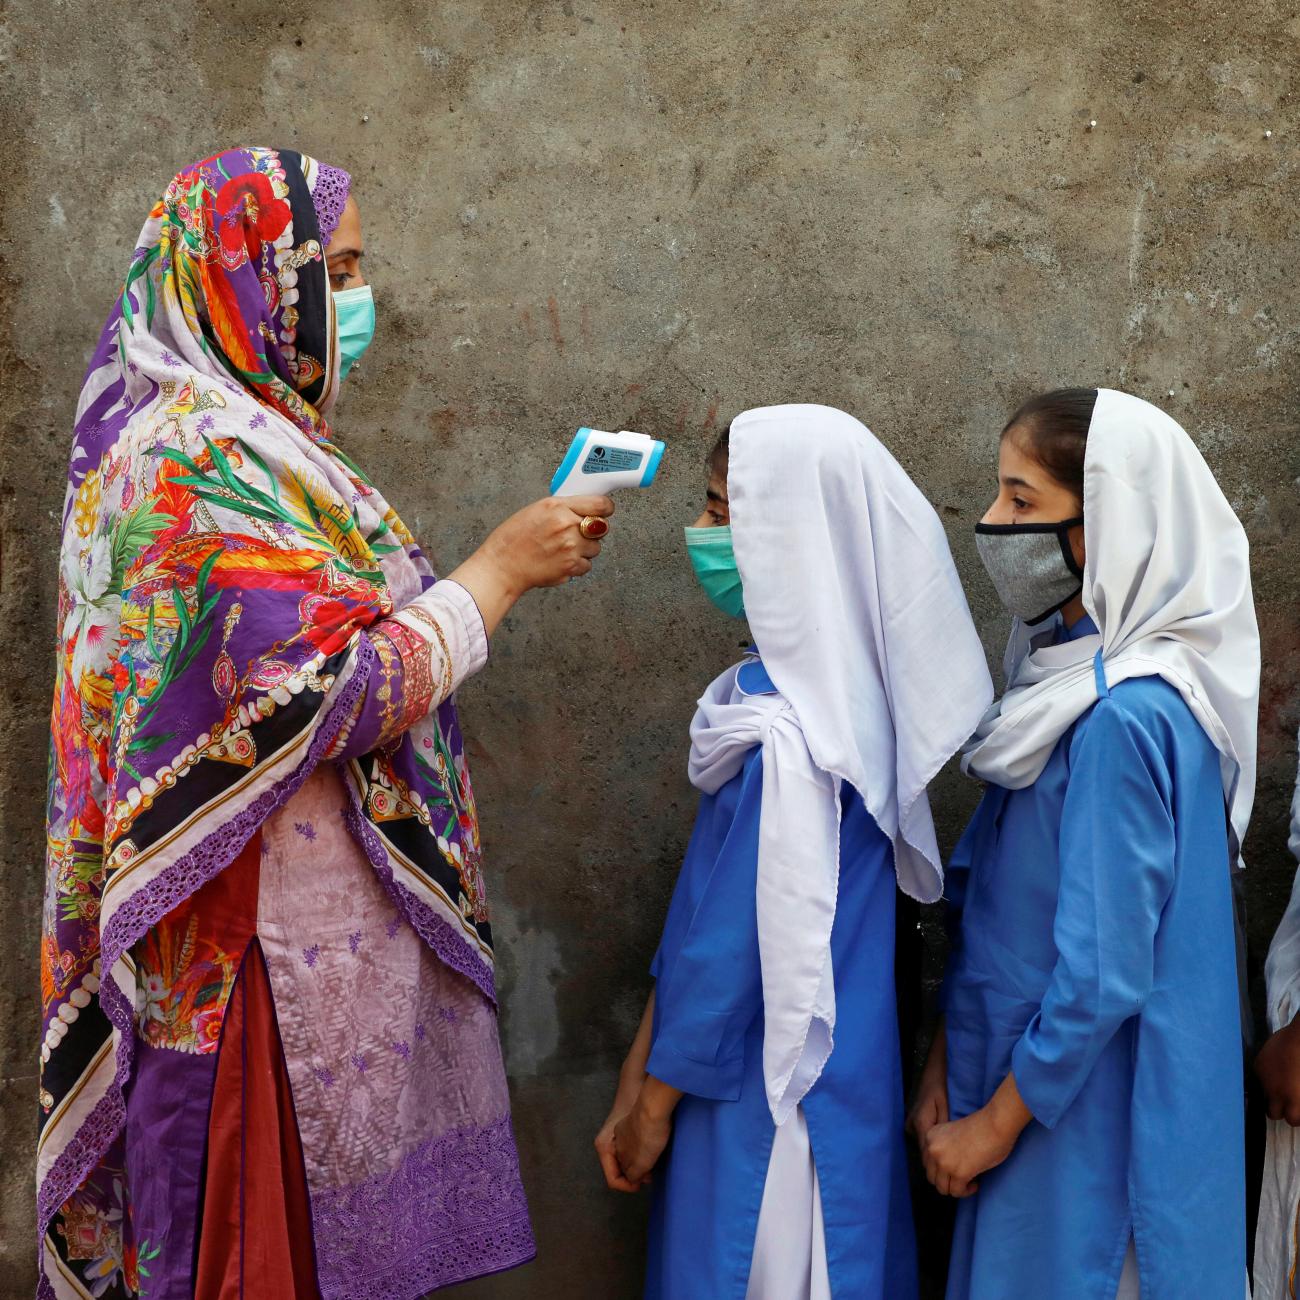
[[708, 541], [769, 1048]]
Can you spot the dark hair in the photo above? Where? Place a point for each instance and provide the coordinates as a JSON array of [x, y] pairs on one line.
[[721, 452], [1054, 430]]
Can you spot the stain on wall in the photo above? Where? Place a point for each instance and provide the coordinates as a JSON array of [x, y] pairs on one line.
[[651, 217]]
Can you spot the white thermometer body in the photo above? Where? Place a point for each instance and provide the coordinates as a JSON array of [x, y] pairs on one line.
[[598, 462]]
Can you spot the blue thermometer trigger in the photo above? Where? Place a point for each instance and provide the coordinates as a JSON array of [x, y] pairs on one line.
[[571, 458], [652, 466]]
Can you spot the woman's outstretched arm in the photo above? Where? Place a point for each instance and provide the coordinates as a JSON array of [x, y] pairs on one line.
[[420, 654]]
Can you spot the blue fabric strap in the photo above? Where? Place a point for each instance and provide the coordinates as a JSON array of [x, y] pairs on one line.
[[1099, 672]]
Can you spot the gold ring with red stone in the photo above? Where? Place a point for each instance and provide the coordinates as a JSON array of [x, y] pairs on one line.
[[593, 527]]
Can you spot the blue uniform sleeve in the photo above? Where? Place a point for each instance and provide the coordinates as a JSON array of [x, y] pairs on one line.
[[1117, 868], [709, 986]]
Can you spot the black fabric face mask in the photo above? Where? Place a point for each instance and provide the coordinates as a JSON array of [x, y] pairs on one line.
[[1032, 566]]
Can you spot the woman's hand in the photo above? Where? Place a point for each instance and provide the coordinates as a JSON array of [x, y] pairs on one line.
[[956, 1153], [540, 546], [1278, 1068], [930, 1106], [641, 1135]]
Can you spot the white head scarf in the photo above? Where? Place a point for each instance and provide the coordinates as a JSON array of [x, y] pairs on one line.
[[858, 613], [1167, 582]]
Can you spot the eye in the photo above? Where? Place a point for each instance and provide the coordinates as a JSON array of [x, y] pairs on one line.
[[339, 281], [1020, 503]]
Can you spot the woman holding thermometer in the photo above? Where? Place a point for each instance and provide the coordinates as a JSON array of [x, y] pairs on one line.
[[270, 1059]]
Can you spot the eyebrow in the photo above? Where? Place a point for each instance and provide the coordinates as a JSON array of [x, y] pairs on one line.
[[713, 495], [1012, 481], [358, 253]]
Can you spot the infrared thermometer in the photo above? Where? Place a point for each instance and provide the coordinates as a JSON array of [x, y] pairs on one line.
[[598, 462]]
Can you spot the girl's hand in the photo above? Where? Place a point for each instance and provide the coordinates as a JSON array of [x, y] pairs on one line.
[[930, 1106], [956, 1153], [624, 1101], [633, 1081], [639, 1139], [1278, 1068]]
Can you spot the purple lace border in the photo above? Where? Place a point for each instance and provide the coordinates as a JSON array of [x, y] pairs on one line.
[[441, 936], [153, 901], [329, 198], [453, 1209]]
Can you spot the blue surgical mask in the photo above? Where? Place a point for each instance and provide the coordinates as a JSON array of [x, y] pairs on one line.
[[355, 312], [714, 562]]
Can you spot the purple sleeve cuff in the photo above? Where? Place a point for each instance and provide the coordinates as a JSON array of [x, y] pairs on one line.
[[448, 614], [471, 618]]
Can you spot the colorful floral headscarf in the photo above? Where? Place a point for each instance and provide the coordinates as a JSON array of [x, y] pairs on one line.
[[221, 559]]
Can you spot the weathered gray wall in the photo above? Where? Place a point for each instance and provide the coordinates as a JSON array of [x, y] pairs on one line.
[[652, 216]]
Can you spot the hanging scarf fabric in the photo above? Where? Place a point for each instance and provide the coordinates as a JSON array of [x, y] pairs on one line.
[[858, 613], [1282, 967], [1277, 1249], [1167, 583], [221, 559]]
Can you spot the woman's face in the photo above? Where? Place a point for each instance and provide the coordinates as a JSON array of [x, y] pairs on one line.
[[345, 250], [1028, 494], [716, 511]]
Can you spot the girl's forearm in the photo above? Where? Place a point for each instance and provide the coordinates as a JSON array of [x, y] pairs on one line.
[[1007, 1109], [936, 1060], [639, 1053], [657, 1099], [654, 1098]]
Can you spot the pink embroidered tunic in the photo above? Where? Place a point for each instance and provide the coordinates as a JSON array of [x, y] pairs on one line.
[[394, 1071]]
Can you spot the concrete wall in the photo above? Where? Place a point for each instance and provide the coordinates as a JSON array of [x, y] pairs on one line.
[[652, 216]]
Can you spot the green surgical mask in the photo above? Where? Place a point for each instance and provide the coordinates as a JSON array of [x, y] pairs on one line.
[[714, 563], [355, 311]]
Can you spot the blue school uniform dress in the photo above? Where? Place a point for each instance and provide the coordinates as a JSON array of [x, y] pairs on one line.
[[1095, 959], [708, 1042]]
